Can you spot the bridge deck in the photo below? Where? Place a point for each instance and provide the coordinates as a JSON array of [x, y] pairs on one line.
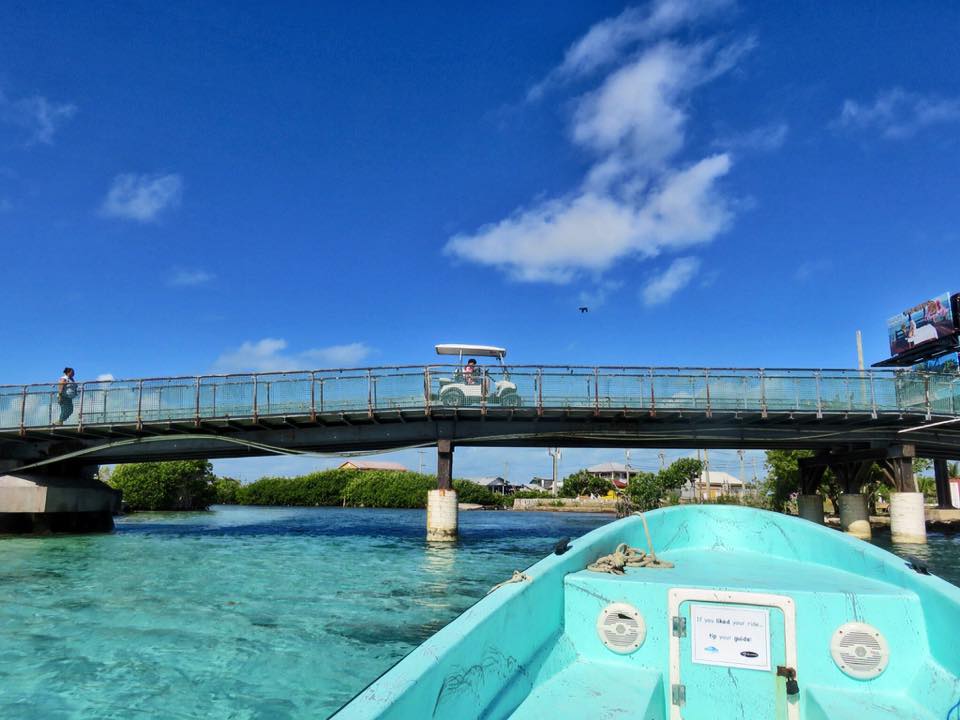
[[711, 407]]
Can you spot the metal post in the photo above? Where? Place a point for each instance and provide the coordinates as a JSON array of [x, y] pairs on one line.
[[83, 386], [819, 398], [539, 391], [483, 390], [763, 395], [653, 398], [873, 398], [321, 394], [926, 393], [196, 403], [426, 390], [706, 381], [23, 409], [596, 391], [313, 397], [255, 410], [369, 393], [139, 404]]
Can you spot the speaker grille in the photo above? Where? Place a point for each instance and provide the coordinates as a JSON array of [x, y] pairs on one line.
[[860, 650], [621, 628]]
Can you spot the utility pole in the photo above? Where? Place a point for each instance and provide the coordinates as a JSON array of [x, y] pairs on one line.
[[555, 454], [859, 351], [663, 461], [754, 470], [698, 483], [706, 469], [420, 469], [742, 480]]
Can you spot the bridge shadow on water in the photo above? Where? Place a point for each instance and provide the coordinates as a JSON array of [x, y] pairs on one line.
[[374, 524]]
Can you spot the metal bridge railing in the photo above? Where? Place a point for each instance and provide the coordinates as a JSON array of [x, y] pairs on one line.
[[427, 388]]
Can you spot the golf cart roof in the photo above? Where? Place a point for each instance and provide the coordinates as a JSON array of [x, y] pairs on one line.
[[482, 350]]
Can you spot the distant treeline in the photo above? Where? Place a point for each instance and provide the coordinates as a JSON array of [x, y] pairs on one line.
[[191, 485]]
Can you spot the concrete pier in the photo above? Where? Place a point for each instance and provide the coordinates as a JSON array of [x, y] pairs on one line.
[[907, 519], [41, 503], [810, 507], [442, 510], [854, 518]]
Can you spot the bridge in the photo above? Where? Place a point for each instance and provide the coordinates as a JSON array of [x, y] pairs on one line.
[[847, 415]]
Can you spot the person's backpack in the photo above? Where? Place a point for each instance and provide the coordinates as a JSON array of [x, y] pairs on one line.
[[70, 390]]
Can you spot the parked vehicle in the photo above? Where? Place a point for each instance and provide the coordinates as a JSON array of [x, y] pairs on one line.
[[472, 385]]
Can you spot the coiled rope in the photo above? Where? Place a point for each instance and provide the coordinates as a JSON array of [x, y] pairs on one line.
[[625, 556]]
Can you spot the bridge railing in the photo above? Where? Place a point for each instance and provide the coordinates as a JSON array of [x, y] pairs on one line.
[[425, 388]]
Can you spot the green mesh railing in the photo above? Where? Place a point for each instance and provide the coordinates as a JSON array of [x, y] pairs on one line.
[[428, 388]]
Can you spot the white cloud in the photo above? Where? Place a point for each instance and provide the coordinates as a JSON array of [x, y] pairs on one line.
[[900, 114], [609, 39], [636, 200], [142, 197], [765, 138], [677, 277], [105, 377], [39, 117], [554, 240], [270, 354], [190, 278]]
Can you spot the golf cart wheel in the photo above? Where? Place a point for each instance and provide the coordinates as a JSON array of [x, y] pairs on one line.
[[453, 398], [510, 400]]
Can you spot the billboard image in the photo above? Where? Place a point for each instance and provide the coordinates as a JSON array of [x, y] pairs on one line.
[[923, 323], [949, 363]]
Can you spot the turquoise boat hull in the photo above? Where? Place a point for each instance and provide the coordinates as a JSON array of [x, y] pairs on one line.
[[762, 615]]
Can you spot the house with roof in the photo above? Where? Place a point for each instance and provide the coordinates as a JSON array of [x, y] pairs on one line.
[[372, 465], [494, 484], [617, 473], [711, 485]]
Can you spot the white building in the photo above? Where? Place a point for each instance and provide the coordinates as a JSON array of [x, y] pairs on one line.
[[617, 473], [711, 485]]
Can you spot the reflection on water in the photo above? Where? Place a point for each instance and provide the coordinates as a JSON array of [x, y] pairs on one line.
[[250, 613]]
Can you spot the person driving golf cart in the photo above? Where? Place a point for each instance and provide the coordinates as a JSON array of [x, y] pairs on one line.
[[471, 384]]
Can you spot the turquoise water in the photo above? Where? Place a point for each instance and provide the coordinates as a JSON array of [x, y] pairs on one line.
[[241, 613], [247, 613]]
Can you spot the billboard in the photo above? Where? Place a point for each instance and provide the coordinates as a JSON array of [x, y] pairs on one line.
[[949, 363], [923, 323]]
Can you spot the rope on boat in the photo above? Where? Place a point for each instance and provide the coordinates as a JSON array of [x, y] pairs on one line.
[[517, 577], [625, 556]]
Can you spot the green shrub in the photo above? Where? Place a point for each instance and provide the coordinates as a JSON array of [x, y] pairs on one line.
[[316, 489], [177, 485], [583, 483], [388, 489], [468, 492], [227, 489]]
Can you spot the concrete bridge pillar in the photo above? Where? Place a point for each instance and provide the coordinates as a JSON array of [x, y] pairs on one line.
[[810, 507], [908, 522], [853, 515], [944, 501], [442, 512], [46, 503]]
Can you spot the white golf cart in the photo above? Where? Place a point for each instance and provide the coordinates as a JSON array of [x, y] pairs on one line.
[[474, 385]]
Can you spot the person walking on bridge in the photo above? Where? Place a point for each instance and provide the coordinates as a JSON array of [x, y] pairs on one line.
[[66, 392]]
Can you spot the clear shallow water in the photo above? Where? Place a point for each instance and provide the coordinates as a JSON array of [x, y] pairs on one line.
[[243, 613]]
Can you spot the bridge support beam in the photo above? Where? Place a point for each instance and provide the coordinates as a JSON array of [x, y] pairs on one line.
[[944, 501], [442, 511], [42, 503], [810, 507], [854, 519]]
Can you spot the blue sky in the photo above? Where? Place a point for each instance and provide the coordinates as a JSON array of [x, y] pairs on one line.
[[190, 188]]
